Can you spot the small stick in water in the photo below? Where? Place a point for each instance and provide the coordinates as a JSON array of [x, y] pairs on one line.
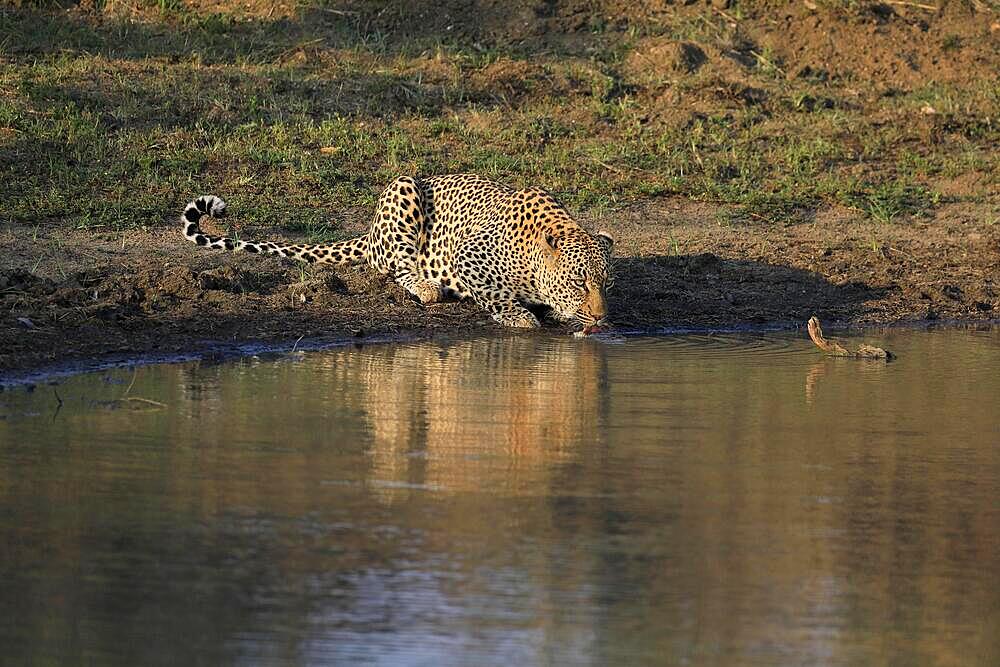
[[833, 348]]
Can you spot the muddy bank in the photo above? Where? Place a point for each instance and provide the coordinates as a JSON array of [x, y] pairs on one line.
[[77, 294]]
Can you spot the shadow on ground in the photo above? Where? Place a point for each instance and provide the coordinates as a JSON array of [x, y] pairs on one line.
[[220, 38], [706, 290]]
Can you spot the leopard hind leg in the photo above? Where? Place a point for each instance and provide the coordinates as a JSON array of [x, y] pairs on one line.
[[397, 237]]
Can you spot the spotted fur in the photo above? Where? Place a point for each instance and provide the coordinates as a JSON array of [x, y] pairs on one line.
[[462, 236]]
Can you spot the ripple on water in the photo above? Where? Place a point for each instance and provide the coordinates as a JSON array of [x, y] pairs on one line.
[[747, 347]]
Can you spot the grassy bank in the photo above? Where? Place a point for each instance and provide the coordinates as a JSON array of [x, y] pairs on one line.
[[112, 116]]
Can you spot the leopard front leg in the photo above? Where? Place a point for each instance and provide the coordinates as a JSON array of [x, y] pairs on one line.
[[488, 284], [485, 291]]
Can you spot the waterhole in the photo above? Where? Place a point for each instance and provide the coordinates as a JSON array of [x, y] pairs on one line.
[[693, 499]]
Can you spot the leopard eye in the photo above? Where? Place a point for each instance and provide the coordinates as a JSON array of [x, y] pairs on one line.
[[580, 283]]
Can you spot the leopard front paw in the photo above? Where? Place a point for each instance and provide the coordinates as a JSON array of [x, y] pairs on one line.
[[518, 321], [427, 292]]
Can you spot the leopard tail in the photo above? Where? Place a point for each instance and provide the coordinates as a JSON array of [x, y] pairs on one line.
[[351, 251]]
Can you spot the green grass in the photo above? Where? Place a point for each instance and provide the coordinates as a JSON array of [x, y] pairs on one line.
[[298, 124]]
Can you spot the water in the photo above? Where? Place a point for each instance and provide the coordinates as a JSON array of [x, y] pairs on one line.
[[702, 500]]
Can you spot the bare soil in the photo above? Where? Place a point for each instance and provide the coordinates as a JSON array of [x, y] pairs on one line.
[[74, 294]]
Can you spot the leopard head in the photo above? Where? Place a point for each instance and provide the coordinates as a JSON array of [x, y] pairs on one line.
[[577, 273]]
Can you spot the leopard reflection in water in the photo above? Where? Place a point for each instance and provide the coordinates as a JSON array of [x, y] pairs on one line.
[[430, 409]]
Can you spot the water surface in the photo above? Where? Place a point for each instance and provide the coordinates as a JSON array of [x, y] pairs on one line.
[[705, 499]]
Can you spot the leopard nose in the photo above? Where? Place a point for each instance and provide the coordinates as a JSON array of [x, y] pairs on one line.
[[598, 306]]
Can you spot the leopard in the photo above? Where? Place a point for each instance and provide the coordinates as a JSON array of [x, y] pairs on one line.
[[462, 236]]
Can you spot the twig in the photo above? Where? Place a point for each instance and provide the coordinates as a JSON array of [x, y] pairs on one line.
[[135, 371], [126, 397], [760, 57], [930, 8], [725, 15], [148, 401], [607, 166], [338, 12], [898, 251]]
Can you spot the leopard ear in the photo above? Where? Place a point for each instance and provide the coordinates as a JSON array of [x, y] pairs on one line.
[[549, 243], [606, 241]]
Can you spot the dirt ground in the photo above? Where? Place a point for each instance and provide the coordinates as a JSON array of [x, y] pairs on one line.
[[152, 291]]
